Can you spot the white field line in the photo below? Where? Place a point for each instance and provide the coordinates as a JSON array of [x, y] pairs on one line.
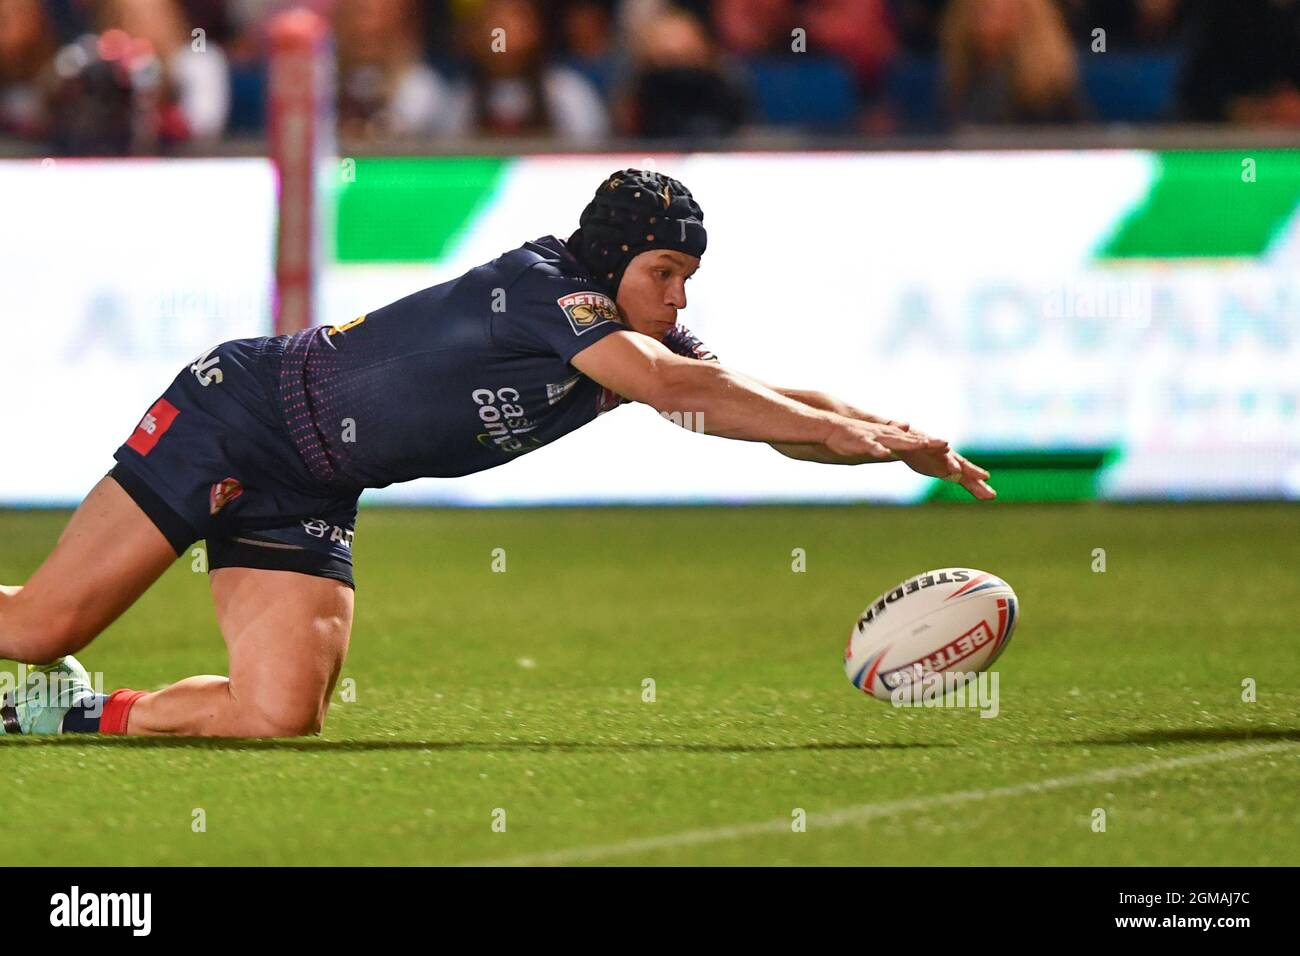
[[874, 811]]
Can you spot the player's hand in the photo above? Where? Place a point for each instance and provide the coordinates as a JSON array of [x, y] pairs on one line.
[[859, 442], [950, 466]]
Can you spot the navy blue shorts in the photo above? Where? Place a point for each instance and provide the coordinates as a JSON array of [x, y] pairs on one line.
[[211, 459]]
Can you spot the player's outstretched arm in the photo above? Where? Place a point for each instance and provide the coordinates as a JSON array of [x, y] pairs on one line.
[[730, 405]]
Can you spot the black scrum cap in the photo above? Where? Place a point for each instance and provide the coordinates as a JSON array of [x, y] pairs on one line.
[[633, 211]]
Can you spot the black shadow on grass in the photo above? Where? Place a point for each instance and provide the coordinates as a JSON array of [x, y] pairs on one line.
[[1189, 735], [539, 746]]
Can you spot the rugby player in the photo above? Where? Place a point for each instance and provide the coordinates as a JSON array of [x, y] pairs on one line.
[[262, 446]]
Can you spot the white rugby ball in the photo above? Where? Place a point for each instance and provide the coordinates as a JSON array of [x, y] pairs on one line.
[[953, 620]]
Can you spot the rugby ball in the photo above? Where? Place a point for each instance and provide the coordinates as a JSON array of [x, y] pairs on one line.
[[950, 621]]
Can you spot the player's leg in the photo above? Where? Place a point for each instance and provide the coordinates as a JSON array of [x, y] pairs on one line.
[[287, 635], [284, 599], [107, 556], [209, 460]]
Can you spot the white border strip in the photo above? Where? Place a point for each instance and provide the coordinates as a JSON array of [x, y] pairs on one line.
[[873, 811]]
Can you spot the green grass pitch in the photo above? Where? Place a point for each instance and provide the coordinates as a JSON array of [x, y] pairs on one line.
[[522, 691]]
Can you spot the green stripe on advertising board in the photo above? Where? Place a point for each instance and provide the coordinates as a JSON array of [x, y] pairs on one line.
[[411, 209], [1210, 205], [1034, 474]]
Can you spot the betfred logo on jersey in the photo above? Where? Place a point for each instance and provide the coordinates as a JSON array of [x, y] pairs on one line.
[[153, 426], [586, 310]]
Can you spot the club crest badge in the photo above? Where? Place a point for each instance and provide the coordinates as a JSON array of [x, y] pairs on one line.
[[586, 310]]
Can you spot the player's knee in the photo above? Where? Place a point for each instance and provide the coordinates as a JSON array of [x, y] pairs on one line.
[[38, 636], [65, 634], [286, 718]]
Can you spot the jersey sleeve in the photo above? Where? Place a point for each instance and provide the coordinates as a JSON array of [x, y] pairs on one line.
[[680, 340], [556, 314]]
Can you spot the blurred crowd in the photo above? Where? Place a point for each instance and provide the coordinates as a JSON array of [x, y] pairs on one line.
[[123, 76]]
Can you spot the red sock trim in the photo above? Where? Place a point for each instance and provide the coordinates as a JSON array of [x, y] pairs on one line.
[[116, 710]]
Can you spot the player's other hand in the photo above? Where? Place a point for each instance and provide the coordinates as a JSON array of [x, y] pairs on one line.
[[950, 466]]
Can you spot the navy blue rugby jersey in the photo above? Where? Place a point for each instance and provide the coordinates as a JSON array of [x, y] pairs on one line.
[[454, 379]]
